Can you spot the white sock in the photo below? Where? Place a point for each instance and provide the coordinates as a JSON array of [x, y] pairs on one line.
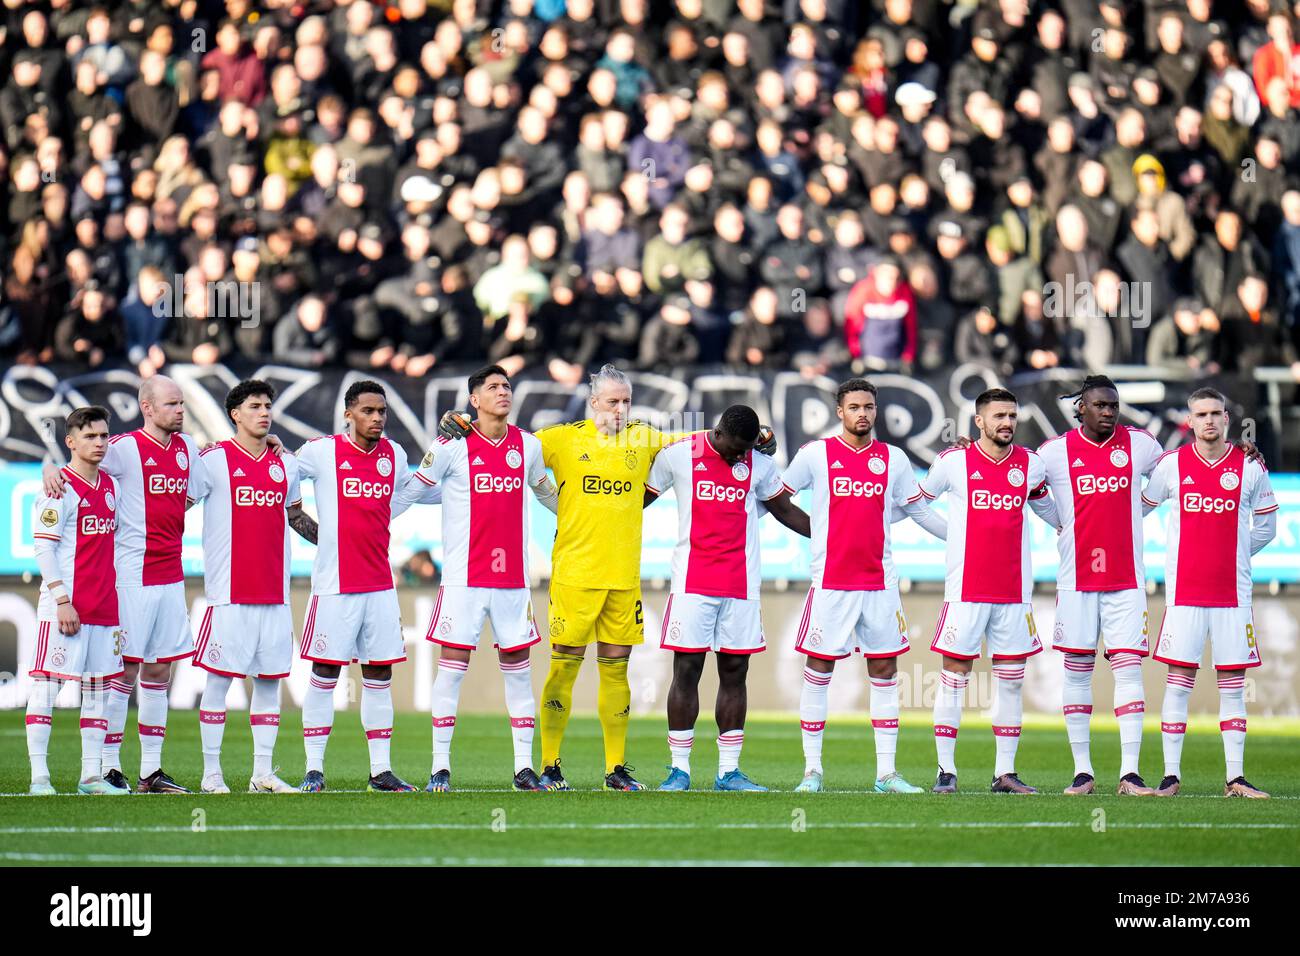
[[947, 717], [212, 720], [119, 696], [40, 719], [377, 719], [884, 723], [522, 709], [1008, 712], [1173, 720], [153, 725], [812, 717], [1232, 721], [680, 743], [94, 724], [446, 699], [729, 744], [1130, 708], [318, 719], [1076, 704], [264, 718]]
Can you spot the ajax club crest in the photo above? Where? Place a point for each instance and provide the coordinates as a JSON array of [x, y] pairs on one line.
[[1229, 481], [1119, 458], [740, 471], [514, 459], [384, 467], [1015, 477], [877, 466], [276, 473]]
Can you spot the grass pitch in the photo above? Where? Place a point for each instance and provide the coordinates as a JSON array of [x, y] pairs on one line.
[[485, 824]]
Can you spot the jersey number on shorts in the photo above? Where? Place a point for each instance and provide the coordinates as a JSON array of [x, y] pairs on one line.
[[638, 613]]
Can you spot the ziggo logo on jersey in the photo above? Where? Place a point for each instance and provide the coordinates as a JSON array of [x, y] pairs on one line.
[[356, 488], [248, 495], [1194, 503], [1088, 484], [711, 491], [496, 483], [162, 485], [93, 525], [987, 501], [848, 488]]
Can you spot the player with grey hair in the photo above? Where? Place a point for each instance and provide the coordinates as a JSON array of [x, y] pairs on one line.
[[600, 466]]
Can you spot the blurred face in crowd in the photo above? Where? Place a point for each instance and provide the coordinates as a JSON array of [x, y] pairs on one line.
[[763, 305], [1146, 227], [729, 224], [1072, 228], [1092, 178], [886, 277], [673, 223], [1227, 228], [789, 219]]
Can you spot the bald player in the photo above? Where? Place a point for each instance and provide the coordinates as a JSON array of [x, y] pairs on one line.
[[151, 468]]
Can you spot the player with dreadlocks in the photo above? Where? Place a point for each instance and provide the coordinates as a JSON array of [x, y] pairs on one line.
[[1096, 473]]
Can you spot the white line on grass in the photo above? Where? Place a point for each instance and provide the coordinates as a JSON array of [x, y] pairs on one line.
[[963, 795], [387, 861], [576, 826]]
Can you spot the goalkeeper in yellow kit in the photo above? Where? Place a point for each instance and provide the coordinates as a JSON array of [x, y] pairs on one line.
[[600, 466]]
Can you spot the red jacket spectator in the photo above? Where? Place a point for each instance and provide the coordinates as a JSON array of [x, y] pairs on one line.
[[880, 316], [243, 76], [1273, 60]]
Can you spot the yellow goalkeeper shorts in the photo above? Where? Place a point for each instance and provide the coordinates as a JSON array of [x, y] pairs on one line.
[[582, 616]]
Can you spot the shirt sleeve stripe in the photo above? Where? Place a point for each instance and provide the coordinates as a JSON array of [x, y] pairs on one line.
[[425, 480], [55, 537], [927, 494], [1154, 504], [916, 497], [650, 487], [1264, 511]]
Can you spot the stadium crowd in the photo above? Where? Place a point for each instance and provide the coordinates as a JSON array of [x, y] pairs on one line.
[[551, 184]]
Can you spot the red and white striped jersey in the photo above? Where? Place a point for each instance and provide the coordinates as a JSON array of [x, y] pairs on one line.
[[1207, 549], [354, 505], [153, 484], [245, 528], [484, 511], [853, 492], [717, 516], [83, 524], [1097, 490], [988, 527]]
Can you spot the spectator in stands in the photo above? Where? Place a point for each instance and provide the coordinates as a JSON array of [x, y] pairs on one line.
[[880, 317]]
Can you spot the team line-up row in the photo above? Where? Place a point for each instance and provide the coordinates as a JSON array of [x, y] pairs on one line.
[[113, 614]]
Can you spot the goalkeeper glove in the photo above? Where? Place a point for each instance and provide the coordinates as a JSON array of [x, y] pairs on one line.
[[766, 443], [454, 426]]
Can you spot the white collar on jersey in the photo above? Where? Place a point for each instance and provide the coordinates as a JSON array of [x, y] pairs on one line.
[[348, 438], [494, 444], [236, 443], [1096, 444], [141, 431], [976, 446], [98, 476], [1211, 464], [856, 451]]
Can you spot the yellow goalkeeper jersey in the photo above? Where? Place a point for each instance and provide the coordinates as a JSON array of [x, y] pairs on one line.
[[602, 490]]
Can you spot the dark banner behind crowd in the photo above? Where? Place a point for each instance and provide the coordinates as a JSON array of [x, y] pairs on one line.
[[922, 413]]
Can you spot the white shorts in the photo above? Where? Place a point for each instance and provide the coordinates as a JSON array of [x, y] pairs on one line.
[[157, 623], [460, 612], [246, 640], [1082, 617], [1012, 634], [95, 651], [1233, 640], [695, 623], [835, 624], [363, 628]]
